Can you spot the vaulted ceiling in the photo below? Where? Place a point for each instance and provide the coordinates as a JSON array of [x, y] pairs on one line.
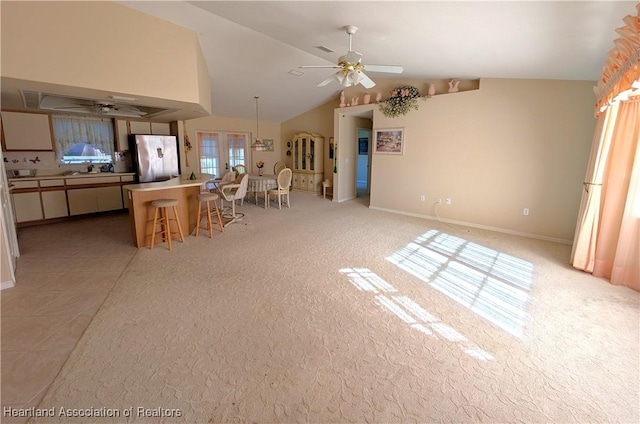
[[251, 46]]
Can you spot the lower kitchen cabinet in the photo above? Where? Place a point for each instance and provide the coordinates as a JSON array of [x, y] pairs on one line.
[[90, 200], [27, 206], [109, 198], [54, 204]]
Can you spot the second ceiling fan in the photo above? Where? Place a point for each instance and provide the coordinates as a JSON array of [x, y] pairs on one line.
[[351, 67]]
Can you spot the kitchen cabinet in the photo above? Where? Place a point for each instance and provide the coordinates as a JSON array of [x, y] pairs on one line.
[[97, 199], [124, 128], [54, 204], [139, 127], [122, 135], [26, 131], [307, 161], [160, 128], [93, 199], [54, 198], [27, 206]]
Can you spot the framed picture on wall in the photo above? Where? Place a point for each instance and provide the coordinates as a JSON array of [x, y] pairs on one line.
[[268, 145], [363, 146], [389, 141]]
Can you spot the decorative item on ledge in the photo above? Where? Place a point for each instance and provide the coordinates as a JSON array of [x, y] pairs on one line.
[[402, 100]]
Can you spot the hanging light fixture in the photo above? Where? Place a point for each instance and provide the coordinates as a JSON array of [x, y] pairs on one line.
[[258, 144]]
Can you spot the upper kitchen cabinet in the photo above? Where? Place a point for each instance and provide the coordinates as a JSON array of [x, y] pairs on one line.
[[126, 127], [26, 131]]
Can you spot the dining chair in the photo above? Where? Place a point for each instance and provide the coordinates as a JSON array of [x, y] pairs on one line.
[[233, 192], [279, 166], [284, 181], [240, 169]]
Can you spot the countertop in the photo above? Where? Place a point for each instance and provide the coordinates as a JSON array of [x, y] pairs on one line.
[[63, 176], [177, 182]]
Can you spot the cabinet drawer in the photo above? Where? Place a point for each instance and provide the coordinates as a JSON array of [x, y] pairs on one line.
[[127, 178], [51, 183], [94, 180], [25, 184]]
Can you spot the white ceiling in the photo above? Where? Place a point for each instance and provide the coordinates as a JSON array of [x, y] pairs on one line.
[[250, 46]]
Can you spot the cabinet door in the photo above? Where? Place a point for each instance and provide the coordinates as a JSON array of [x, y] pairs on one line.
[[54, 204], [140, 127], [26, 131], [311, 182], [160, 128], [122, 135], [27, 206], [82, 200], [109, 198]]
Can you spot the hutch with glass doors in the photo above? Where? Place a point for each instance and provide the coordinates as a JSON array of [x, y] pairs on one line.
[[307, 161]]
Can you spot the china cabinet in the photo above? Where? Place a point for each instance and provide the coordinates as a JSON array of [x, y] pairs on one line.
[[307, 161]]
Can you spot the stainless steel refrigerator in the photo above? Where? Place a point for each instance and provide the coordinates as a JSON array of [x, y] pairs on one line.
[[155, 157]]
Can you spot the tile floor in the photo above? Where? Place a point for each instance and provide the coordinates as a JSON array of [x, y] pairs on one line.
[[64, 273]]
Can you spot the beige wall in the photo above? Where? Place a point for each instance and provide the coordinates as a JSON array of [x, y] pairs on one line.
[[268, 130], [102, 46], [510, 145]]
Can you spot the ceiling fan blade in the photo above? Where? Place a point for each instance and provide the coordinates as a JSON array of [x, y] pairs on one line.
[[328, 80], [366, 81], [390, 69], [319, 66]]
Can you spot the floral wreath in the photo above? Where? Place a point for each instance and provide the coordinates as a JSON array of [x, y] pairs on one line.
[[402, 100]]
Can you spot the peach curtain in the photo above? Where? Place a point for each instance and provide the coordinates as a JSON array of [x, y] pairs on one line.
[[607, 241], [617, 254]]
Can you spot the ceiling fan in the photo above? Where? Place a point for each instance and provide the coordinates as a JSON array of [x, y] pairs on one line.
[[89, 106], [351, 67]]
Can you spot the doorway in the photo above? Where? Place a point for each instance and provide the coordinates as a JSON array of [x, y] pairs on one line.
[[220, 151], [363, 165]]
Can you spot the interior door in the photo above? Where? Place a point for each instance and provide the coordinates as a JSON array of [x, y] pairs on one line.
[[220, 151]]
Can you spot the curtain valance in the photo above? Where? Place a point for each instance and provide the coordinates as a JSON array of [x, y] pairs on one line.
[[621, 71]]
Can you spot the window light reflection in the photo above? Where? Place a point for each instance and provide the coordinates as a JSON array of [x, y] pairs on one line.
[[410, 312], [492, 284]]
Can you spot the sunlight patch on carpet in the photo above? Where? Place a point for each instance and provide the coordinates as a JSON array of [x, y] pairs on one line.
[[410, 312], [492, 284]]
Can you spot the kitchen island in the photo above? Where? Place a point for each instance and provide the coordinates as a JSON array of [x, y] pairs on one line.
[[181, 188]]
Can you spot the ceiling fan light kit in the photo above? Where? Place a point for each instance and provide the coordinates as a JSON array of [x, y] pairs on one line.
[[351, 68]]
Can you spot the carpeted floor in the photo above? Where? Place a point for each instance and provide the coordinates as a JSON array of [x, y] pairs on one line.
[[337, 313]]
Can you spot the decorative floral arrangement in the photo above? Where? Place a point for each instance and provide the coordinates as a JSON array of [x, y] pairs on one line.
[[260, 164], [402, 100]]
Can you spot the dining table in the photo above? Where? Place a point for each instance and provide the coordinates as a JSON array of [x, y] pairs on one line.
[[261, 184]]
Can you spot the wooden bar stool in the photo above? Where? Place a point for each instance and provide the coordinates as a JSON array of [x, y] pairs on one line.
[[208, 198], [162, 208]]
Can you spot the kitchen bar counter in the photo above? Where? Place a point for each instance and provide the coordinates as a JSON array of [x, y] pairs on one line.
[[181, 188]]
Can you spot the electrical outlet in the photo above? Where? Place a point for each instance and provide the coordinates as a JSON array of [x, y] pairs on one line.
[[448, 201], [422, 197], [439, 202], [525, 211]]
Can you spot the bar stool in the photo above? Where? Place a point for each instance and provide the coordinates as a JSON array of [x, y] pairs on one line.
[[208, 198], [162, 206]]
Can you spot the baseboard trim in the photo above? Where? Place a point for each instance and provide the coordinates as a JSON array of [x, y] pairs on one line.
[[473, 225], [7, 285]]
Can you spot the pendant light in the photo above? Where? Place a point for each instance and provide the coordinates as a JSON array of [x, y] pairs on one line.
[[257, 144]]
